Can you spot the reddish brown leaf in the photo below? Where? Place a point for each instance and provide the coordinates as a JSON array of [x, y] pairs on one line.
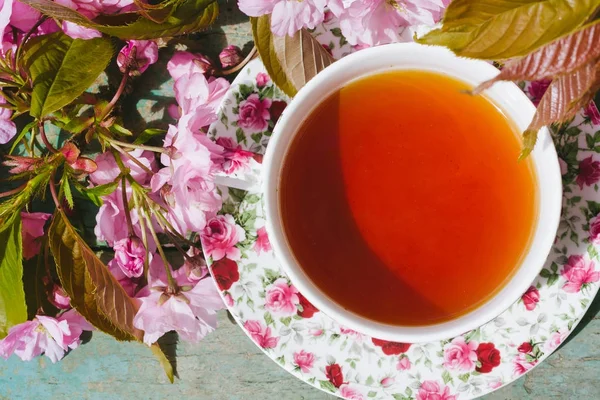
[[560, 57], [565, 96], [94, 292]]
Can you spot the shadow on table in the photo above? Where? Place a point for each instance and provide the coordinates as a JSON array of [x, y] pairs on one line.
[[590, 315]]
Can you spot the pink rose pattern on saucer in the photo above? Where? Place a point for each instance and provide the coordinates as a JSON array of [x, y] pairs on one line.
[[354, 366]]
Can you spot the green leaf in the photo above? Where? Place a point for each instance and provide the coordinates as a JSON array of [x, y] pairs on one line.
[[68, 194], [184, 17], [62, 68], [164, 361], [118, 129], [93, 290], [291, 61], [94, 194], [286, 321], [148, 134], [499, 29], [78, 124], [13, 309], [21, 135], [464, 377]]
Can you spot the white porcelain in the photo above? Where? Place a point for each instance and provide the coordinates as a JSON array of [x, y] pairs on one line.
[[507, 96]]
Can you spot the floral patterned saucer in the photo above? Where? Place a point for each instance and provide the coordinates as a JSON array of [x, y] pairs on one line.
[[320, 351]]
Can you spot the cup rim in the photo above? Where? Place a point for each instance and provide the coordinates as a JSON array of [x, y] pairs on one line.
[[506, 95]]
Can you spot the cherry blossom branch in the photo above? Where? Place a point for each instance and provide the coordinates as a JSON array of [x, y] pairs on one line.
[[117, 95]]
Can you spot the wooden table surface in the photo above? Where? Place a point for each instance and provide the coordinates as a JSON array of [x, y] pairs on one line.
[[227, 365]]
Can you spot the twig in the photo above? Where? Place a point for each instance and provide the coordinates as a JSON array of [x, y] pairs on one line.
[[26, 37], [117, 95], [45, 139]]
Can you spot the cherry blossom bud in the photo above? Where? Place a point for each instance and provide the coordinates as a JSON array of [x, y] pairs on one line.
[[230, 56], [137, 56]]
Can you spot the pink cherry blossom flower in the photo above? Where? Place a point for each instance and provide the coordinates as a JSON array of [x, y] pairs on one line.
[[59, 298], [186, 184], [190, 310], [287, 16], [262, 79], [111, 222], [77, 324], [261, 334], [304, 360], [32, 229], [589, 172], [374, 22], [220, 237], [146, 54], [108, 170], [522, 365], [184, 63], [8, 129], [555, 339], [403, 364], [262, 241], [47, 335], [281, 298], [130, 254], [350, 393], [432, 390], [254, 114], [459, 355], [591, 111], [235, 158], [578, 272], [530, 298]]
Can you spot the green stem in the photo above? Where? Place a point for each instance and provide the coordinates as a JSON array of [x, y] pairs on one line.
[[130, 157], [172, 284], [143, 228], [126, 207], [134, 146]]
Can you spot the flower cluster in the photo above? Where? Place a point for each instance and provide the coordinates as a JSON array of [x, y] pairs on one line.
[[363, 23]]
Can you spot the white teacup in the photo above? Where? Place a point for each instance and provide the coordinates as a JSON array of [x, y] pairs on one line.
[[507, 96]]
